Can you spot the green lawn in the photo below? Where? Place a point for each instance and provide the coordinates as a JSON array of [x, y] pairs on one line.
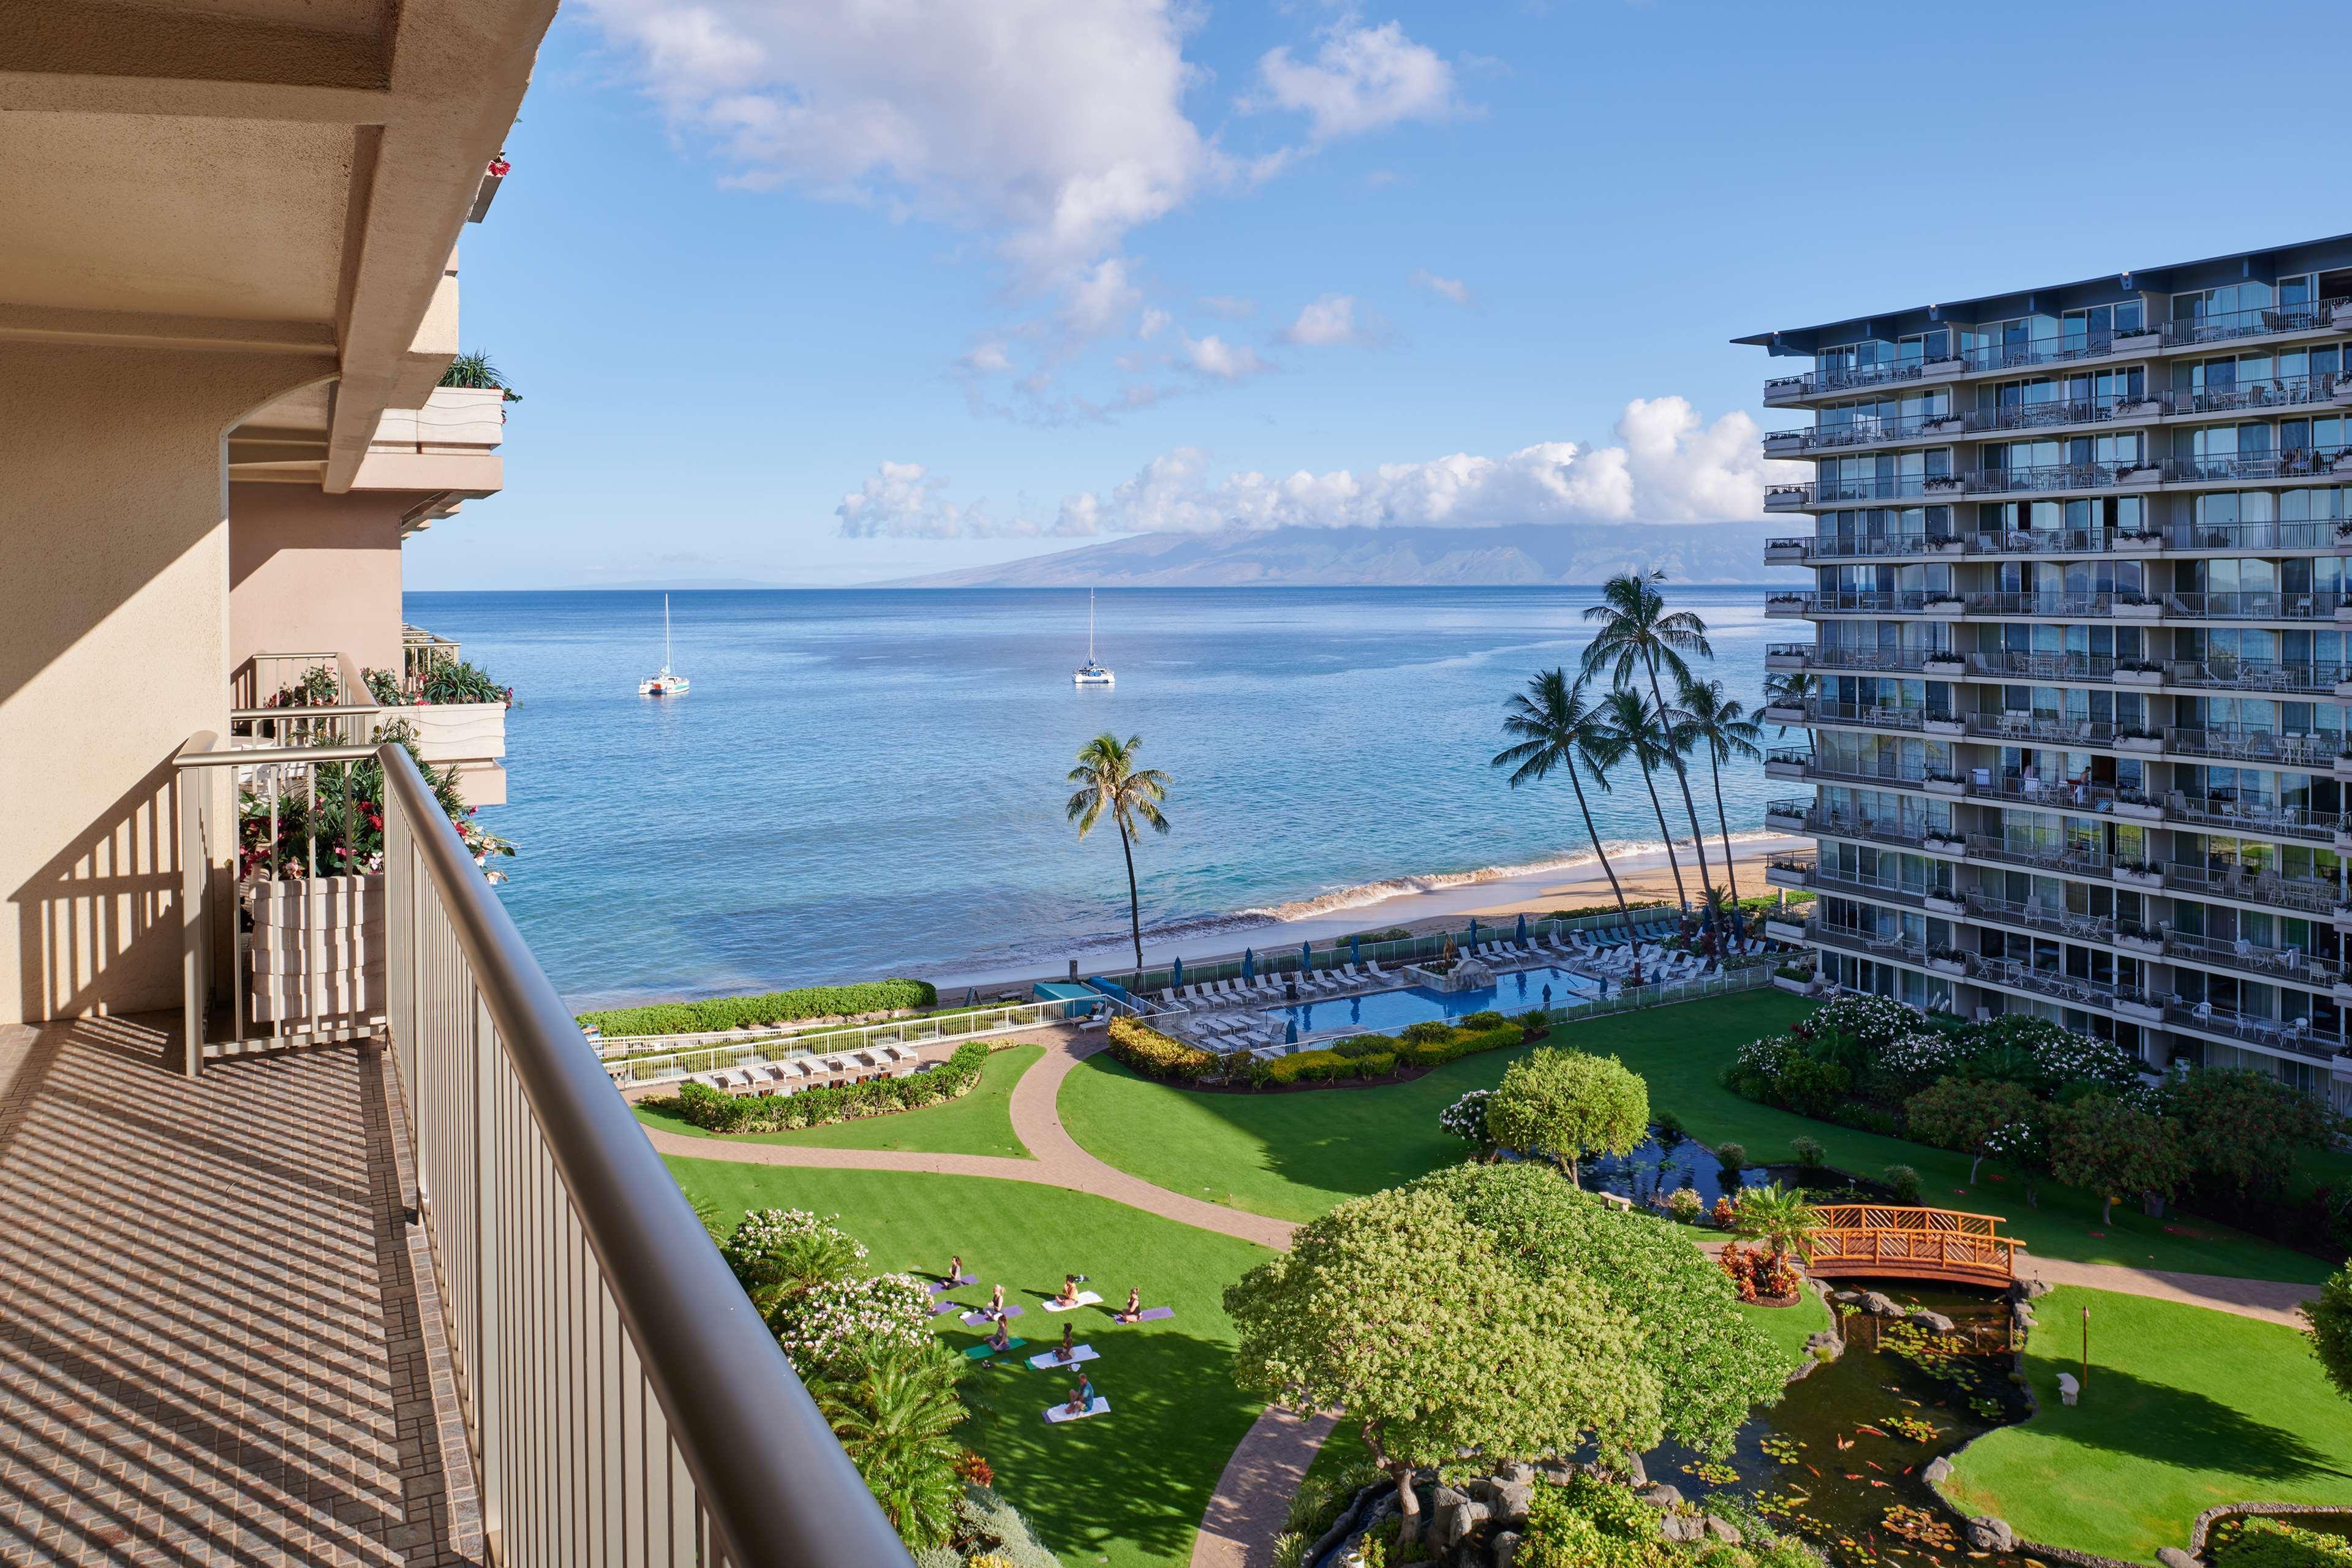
[[1790, 1327], [1296, 1156], [1127, 1489], [978, 1123], [2185, 1408]]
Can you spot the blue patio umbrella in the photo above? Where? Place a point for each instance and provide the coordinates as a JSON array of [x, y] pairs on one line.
[[1523, 927], [1355, 951], [1176, 974], [1474, 932], [1290, 1033], [1305, 957], [1249, 965]]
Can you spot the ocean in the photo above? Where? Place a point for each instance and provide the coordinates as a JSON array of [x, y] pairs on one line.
[[871, 782]]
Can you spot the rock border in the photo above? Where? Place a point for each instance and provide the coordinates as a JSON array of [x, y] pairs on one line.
[[2213, 1516]]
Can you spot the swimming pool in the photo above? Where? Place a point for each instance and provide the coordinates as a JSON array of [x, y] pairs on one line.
[[1385, 1012]]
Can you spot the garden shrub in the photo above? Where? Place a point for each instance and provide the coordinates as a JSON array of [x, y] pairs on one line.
[[1364, 1045], [1155, 1055], [1868, 1117], [1428, 1032], [1904, 1182], [2258, 1542], [713, 1111], [988, 1526], [772, 1008], [1588, 1523], [1810, 1087], [1483, 1021], [1958, 1113], [1809, 1153]]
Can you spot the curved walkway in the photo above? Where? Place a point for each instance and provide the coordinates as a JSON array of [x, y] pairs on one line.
[[1252, 1497]]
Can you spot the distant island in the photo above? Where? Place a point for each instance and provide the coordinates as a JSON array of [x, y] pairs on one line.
[[1524, 554]]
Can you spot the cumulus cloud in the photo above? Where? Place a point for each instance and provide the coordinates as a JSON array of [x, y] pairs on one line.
[[1362, 79], [1327, 322], [1452, 289], [1668, 465], [987, 358], [1054, 125], [907, 500], [1154, 322], [1212, 356]]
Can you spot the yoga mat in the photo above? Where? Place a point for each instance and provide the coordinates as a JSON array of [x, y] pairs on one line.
[[940, 1288], [1061, 1412], [1153, 1314], [1086, 1299], [982, 1320], [939, 1306], [1053, 1359], [983, 1349]]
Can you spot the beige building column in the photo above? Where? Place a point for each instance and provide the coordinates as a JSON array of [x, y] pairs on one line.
[[114, 592], [312, 573]]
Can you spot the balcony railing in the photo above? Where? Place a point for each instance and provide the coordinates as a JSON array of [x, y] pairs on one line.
[[2057, 349], [2042, 794], [602, 1349], [2274, 392], [2229, 879], [2074, 990], [1887, 774], [1895, 659], [2268, 321], [1858, 601], [2266, 748], [2248, 813], [2252, 958], [1866, 547], [1862, 433], [2292, 463], [1866, 487], [2015, 727], [2318, 535], [2034, 914], [2074, 859], [2042, 542], [2265, 606], [1840, 378], [2047, 477], [2295, 1037], [2076, 605], [1830, 880], [2016, 665], [2257, 674], [2062, 411], [1850, 824], [1853, 939], [1873, 715]]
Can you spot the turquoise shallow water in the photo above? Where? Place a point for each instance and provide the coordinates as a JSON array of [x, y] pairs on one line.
[[871, 782]]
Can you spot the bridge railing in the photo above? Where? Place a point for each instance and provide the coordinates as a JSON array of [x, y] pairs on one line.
[[1874, 1238]]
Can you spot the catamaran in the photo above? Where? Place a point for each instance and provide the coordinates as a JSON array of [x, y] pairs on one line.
[[1090, 673], [666, 684]]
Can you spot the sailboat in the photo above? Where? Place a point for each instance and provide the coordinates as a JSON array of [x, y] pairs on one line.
[[666, 684], [1090, 673]]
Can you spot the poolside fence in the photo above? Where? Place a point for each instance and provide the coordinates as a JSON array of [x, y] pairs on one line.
[[962, 1025]]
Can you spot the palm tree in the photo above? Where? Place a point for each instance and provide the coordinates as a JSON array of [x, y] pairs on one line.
[[1630, 726], [893, 1410], [1780, 1218], [1639, 634], [1557, 730], [1107, 780], [1790, 690], [1720, 722]]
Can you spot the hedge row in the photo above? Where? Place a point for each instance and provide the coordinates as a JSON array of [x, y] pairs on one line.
[[712, 1111], [1376, 1056], [774, 1007], [1155, 1055]]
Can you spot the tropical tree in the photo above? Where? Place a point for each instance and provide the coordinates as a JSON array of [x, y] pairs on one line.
[[1638, 635], [1556, 729], [1963, 1114], [1108, 781], [777, 1253], [2107, 1145], [2245, 1129], [893, 1410], [1712, 1364], [1790, 690], [2328, 1327], [1567, 1104], [1719, 724], [1631, 727], [1400, 1311], [1780, 1217]]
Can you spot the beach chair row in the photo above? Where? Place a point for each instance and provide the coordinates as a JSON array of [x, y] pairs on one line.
[[793, 1074], [1271, 987]]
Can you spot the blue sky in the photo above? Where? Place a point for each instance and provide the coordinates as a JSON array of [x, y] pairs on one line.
[[1022, 275]]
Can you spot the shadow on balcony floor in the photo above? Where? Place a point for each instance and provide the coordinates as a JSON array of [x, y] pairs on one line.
[[211, 1347]]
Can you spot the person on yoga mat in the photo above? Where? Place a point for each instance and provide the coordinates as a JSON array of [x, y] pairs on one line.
[[1069, 1296], [1134, 1307], [996, 1302], [1069, 1341], [1002, 1340], [1078, 1402], [955, 1270], [1085, 1391]]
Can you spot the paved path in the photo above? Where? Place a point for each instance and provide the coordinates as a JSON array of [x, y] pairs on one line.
[[1252, 1497], [2272, 1300], [1060, 1162]]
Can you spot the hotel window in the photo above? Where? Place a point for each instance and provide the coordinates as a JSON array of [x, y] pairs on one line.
[[2091, 331]]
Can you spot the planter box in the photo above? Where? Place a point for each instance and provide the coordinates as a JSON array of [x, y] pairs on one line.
[[1785, 821], [470, 736], [1950, 610], [2137, 343], [1778, 770], [2143, 745], [2133, 811], [1937, 905], [314, 962], [1784, 606], [1784, 876], [2131, 879], [2146, 408], [1784, 662], [1950, 789], [2148, 612], [2343, 840], [1793, 987], [2145, 544], [2344, 612], [1951, 967], [1949, 425], [1944, 487], [1947, 849], [1781, 930], [2139, 1012], [2140, 678], [1949, 547], [1779, 713], [2146, 945], [1944, 667], [1946, 727], [1937, 369]]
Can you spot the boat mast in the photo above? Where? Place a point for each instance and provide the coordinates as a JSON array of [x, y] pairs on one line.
[[664, 634], [1090, 628]]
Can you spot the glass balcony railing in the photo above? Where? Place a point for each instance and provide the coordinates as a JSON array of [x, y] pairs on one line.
[[2264, 748], [2017, 665], [1837, 378], [2274, 392], [2290, 963], [2038, 914], [2247, 885], [1819, 711], [2080, 606], [2242, 467], [2072, 859], [2257, 674], [1871, 943], [2251, 537], [2264, 605], [2294, 1037], [1827, 436], [2263, 322], [2063, 411], [2047, 477], [2246, 812]]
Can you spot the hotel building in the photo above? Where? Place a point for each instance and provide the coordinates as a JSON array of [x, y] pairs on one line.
[[2075, 670]]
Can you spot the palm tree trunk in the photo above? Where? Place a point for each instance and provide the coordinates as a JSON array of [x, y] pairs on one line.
[[1698, 834], [1623, 911], [1682, 894], [1134, 901], [1730, 867]]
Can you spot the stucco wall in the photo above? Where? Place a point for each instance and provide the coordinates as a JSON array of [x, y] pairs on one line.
[[311, 572], [114, 583]]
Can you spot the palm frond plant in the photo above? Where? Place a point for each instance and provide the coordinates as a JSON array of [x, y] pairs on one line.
[[1638, 636], [1782, 1218], [1790, 689], [894, 1410], [1720, 724], [1630, 729], [475, 371], [1556, 729], [1109, 782]]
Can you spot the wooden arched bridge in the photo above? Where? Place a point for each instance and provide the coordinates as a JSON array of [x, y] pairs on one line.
[[1913, 1243]]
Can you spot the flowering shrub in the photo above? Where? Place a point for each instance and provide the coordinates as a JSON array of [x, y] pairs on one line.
[[1919, 1056], [836, 1322], [1759, 1275], [1683, 1203], [1467, 1117], [1866, 1021], [974, 1469], [1155, 1055], [776, 1250], [339, 824]]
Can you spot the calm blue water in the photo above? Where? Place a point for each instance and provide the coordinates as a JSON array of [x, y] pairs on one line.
[[865, 783], [1385, 1012]]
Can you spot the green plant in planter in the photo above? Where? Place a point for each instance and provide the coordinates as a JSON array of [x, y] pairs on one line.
[[475, 370], [338, 826], [455, 681]]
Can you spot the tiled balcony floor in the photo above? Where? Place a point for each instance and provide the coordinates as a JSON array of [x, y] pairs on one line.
[[210, 1340]]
